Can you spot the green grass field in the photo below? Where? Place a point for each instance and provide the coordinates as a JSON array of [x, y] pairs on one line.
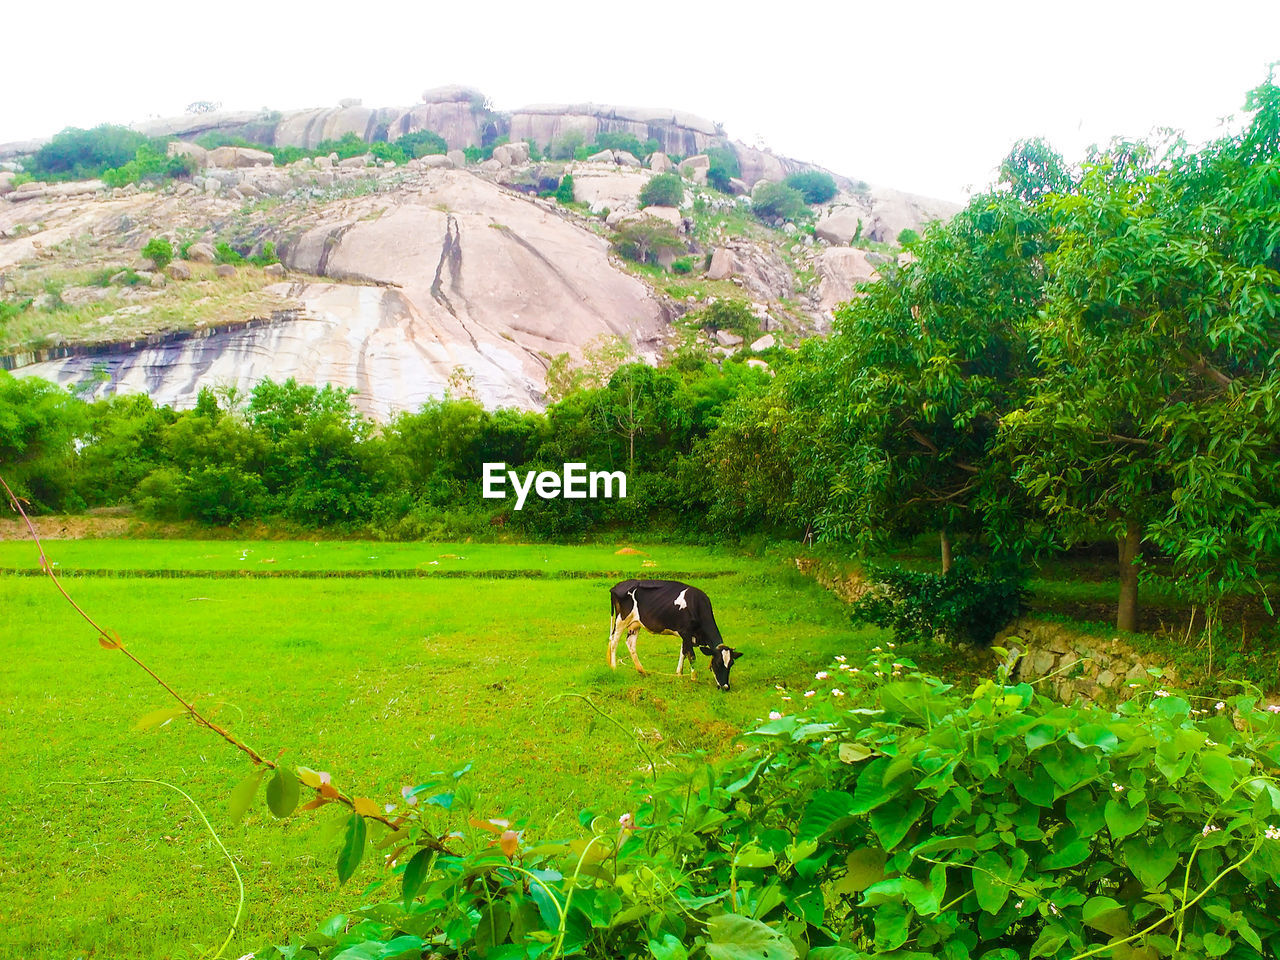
[[378, 681]]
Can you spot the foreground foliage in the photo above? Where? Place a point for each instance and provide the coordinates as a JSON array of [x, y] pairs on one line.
[[898, 817]]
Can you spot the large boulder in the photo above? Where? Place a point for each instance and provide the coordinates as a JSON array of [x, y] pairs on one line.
[[458, 157], [604, 156], [201, 253], [181, 148], [696, 167], [840, 270], [659, 162], [512, 154], [231, 158], [723, 265]]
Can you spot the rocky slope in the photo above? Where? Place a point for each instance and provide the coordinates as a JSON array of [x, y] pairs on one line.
[[406, 282]]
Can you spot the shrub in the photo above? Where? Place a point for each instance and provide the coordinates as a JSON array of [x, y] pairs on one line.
[[568, 145], [684, 265], [422, 143], [159, 251], [9, 309], [617, 140], [724, 167], [732, 315], [664, 190], [564, 192], [894, 816], [961, 606], [777, 201], [814, 185], [267, 257], [907, 236], [225, 253], [380, 150]]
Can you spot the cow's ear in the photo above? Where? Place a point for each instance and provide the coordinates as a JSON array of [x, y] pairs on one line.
[[736, 654]]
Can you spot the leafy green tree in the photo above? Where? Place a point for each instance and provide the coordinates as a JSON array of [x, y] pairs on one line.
[[814, 185], [39, 425], [124, 441], [915, 381], [647, 240], [78, 154], [568, 145], [1158, 418], [664, 190], [777, 201]]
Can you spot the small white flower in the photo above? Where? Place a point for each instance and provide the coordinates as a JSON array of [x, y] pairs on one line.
[[875, 649], [1162, 693], [809, 693], [841, 658], [820, 675], [1118, 788], [1210, 743], [1133, 686], [1273, 708], [890, 645], [846, 667], [786, 698], [837, 693], [774, 715], [1210, 828], [1219, 705], [1272, 832]]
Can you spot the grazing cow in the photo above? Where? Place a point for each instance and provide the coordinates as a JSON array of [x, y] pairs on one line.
[[674, 609]]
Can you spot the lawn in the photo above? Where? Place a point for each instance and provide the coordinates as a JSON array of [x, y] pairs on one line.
[[378, 681]]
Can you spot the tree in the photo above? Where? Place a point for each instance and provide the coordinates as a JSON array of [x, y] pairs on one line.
[[664, 190], [912, 387], [723, 167], [814, 185], [1158, 418], [777, 201], [39, 425], [647, 240], [564, 191]]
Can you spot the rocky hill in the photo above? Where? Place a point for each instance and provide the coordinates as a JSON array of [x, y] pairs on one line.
[[404, 281]]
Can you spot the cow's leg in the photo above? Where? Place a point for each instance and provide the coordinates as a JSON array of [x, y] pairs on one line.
[[680, 663], [613, 641], [631, 647]]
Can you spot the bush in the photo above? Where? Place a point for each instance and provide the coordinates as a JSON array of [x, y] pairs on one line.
[[422, 143], [683, 265], [814, 185], [962, 606], [724, 167], [159, 251], [225, 253], [894, 816], [907, 236], [564, 192], [664, 190], [777, 201], [619, 141], [732, 315], [647, 240]]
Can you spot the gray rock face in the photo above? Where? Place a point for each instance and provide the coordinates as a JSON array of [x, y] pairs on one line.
[[676, 131], [840, 270]]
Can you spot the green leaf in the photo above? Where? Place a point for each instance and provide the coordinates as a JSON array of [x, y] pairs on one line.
[[415, 871], [1122, 820], [1215, 945], [669, 948], [993, 878], [1070, 855], [734, 937], [871, 791], [892, 928], [1047, 944], [494, 925], [1105, 914], [1218, 773], [827, 812], [1150, 863], [892, 821], [242, 796], [1037, 788], [282, 793], [352, 851], [862, 869], [750, 857]]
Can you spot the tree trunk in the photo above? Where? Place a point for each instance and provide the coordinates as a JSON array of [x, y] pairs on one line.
[[946, 550], [1130, 545]]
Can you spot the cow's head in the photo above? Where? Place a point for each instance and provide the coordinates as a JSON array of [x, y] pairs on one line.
[[722, 658]]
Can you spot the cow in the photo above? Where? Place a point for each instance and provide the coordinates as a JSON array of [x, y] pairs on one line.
[[670, 608]]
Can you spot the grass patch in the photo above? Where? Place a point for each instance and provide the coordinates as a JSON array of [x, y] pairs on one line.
[[125, 313], [377, 681]]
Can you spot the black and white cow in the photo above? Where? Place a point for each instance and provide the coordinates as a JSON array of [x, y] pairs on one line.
[[671, 608]]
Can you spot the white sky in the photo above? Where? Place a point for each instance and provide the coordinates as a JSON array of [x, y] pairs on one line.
[[922, 96]]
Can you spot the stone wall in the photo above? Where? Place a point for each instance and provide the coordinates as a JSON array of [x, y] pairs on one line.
[[1078, 665]]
